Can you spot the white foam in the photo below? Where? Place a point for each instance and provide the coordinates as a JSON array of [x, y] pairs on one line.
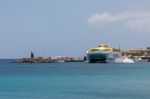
[[126, 60]]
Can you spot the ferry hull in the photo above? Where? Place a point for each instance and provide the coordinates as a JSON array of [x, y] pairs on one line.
[[104, 57], [97, 57]]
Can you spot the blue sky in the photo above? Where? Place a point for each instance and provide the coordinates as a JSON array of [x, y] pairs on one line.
[[70, 27]]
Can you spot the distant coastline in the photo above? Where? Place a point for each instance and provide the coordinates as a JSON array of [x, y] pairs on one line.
[[138, 54]]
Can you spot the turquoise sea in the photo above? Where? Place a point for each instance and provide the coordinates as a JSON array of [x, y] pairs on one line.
[[74, 81]]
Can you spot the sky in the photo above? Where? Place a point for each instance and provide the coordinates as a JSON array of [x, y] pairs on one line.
[[71, 27]]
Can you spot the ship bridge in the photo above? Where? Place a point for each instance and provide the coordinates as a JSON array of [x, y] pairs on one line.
[[105, 48]]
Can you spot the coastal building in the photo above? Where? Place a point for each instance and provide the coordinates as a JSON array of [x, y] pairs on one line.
[[137, 52]]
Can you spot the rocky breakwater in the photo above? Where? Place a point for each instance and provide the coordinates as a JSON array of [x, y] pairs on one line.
[[34, 60], [49, 59]]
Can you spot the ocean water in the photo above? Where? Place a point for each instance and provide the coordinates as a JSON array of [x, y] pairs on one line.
[[74, 81]]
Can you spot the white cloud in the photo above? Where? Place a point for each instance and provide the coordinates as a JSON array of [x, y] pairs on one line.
[[134, 20]]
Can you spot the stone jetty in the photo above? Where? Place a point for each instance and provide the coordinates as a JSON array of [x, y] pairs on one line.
[[33, 60], [49, 60]]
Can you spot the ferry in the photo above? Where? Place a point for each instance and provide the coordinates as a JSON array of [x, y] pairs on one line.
[[104, 54]]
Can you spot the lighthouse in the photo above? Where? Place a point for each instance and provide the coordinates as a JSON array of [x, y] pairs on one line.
[[32, 54]]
